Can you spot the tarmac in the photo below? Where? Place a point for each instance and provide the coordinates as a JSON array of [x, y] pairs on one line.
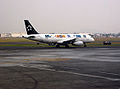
[[59, 68]]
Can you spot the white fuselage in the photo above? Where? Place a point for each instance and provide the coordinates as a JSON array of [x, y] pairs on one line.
[[56, 38]]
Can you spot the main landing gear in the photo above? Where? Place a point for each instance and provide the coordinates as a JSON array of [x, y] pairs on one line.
[[84, 45], [66, 46], [38, 43], [57, 46], [51, 44]]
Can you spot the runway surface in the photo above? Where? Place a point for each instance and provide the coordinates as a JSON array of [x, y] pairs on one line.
[[47, 68]]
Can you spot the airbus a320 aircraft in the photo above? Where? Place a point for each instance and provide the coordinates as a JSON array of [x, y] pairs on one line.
[[57, 39]]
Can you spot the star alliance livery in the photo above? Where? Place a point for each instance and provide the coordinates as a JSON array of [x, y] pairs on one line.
[[57, 39]]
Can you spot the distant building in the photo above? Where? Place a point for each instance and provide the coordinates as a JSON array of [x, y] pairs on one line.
[[6, 35], [12, 34], [17, 34]]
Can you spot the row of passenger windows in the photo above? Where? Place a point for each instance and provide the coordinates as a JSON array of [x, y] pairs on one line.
[[63, 36]]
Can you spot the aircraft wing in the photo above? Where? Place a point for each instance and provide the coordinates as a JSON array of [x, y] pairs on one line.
[[67, 41]]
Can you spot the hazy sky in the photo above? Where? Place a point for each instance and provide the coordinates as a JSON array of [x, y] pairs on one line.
[[60, 15]]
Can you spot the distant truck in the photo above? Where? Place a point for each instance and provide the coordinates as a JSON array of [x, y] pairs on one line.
[[107, 43]]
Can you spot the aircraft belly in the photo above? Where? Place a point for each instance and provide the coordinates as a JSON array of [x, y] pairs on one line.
[[50, 40]]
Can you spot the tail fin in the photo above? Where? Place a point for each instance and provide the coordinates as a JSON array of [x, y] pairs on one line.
[[29, 28]]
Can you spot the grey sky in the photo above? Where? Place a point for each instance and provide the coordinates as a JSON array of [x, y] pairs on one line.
[[61, 15]]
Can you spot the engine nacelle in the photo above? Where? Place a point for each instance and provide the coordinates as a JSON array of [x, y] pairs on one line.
[[78, 43]]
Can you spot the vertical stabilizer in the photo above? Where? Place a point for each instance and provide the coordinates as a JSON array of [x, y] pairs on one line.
[[29, 28]]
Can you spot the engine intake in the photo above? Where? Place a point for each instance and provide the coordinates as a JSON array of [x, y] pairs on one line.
[[78, 43]]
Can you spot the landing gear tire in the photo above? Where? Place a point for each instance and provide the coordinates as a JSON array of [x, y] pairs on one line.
[[66, 46], [57, 46], [85, 45], [38, 43]]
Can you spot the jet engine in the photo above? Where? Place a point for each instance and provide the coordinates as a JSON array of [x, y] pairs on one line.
[[78, 43]]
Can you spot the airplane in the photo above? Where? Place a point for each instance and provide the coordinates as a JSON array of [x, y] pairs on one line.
[[57, 39]]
